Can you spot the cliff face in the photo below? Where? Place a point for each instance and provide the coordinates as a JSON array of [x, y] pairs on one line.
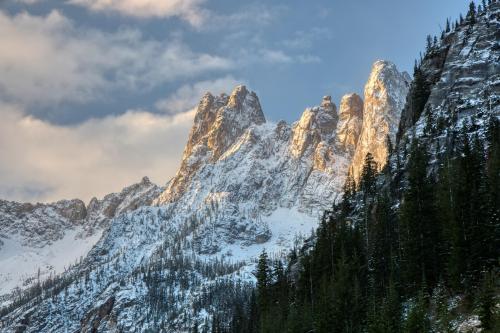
[[316, 125], [385, 95], [219, 122], [460, 75], [351, 123]]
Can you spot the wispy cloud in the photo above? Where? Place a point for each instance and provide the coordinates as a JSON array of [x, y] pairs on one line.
[[305, 39], [47, 60], [189, 10], [267, 56]]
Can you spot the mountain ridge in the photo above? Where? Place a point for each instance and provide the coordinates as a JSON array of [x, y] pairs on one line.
[[243, 184]]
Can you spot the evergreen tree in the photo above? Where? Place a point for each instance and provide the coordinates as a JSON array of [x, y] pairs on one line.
[[422, 234], [420, 91], [471, 14], [368, 174], [487, 302], [428, 45], [418, 320], [263, 281]]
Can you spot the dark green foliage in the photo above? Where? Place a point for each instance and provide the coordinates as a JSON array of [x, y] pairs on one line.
[[380, 267], [418, 320], [472, 13], [419, 91], [367, 180], [487, 301], [420, 230]]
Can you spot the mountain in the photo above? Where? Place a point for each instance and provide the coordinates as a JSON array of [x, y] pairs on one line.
[[38, 240], [413, 246], [244, 184]]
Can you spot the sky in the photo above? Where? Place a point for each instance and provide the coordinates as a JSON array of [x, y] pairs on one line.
[[96, 94]]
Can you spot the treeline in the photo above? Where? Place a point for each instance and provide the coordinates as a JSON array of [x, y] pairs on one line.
[[419, 262]]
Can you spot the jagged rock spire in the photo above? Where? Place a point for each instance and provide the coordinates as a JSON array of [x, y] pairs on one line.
[[316, 124], [385, 95], [218, 123]]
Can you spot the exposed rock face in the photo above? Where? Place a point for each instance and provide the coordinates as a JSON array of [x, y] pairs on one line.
[[462, 74], [39, 224], [316, 125], [218, 123], [351, 122], [100, 212], [267, 167], [385, 95]]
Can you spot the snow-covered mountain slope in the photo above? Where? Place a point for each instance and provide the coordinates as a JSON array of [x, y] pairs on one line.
[[37, 240], [462, 75], [244, 184]]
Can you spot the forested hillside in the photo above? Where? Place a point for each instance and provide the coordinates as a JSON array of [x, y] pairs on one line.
[[415, 247]]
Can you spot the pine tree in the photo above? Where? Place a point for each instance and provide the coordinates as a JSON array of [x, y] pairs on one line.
[[383, 244], [487, 302], [263, 288], [419, 93], [418, 321], [471, 15], [422, 234], [447, 29], [368, 174], [428, 45]]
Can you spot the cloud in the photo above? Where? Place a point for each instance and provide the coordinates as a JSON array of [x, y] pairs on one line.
[[187, 96], [46, 60], [28, 2], [251, 17], [189, 10], [44, 162], [249, 57], [305, 39]]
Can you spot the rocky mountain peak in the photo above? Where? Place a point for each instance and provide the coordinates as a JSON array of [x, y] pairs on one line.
[[316, 124], [219, 122], [327, 103], [350, 122], [384, 99], [238, 96]]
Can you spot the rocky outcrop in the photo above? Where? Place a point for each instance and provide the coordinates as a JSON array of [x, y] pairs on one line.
[[460, 75], [40, 224], [316, 125], [351, 122], [219, 122], [384, 98], [101, 211]]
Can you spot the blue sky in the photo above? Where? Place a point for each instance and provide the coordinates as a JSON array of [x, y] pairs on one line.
[[78, 75]]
